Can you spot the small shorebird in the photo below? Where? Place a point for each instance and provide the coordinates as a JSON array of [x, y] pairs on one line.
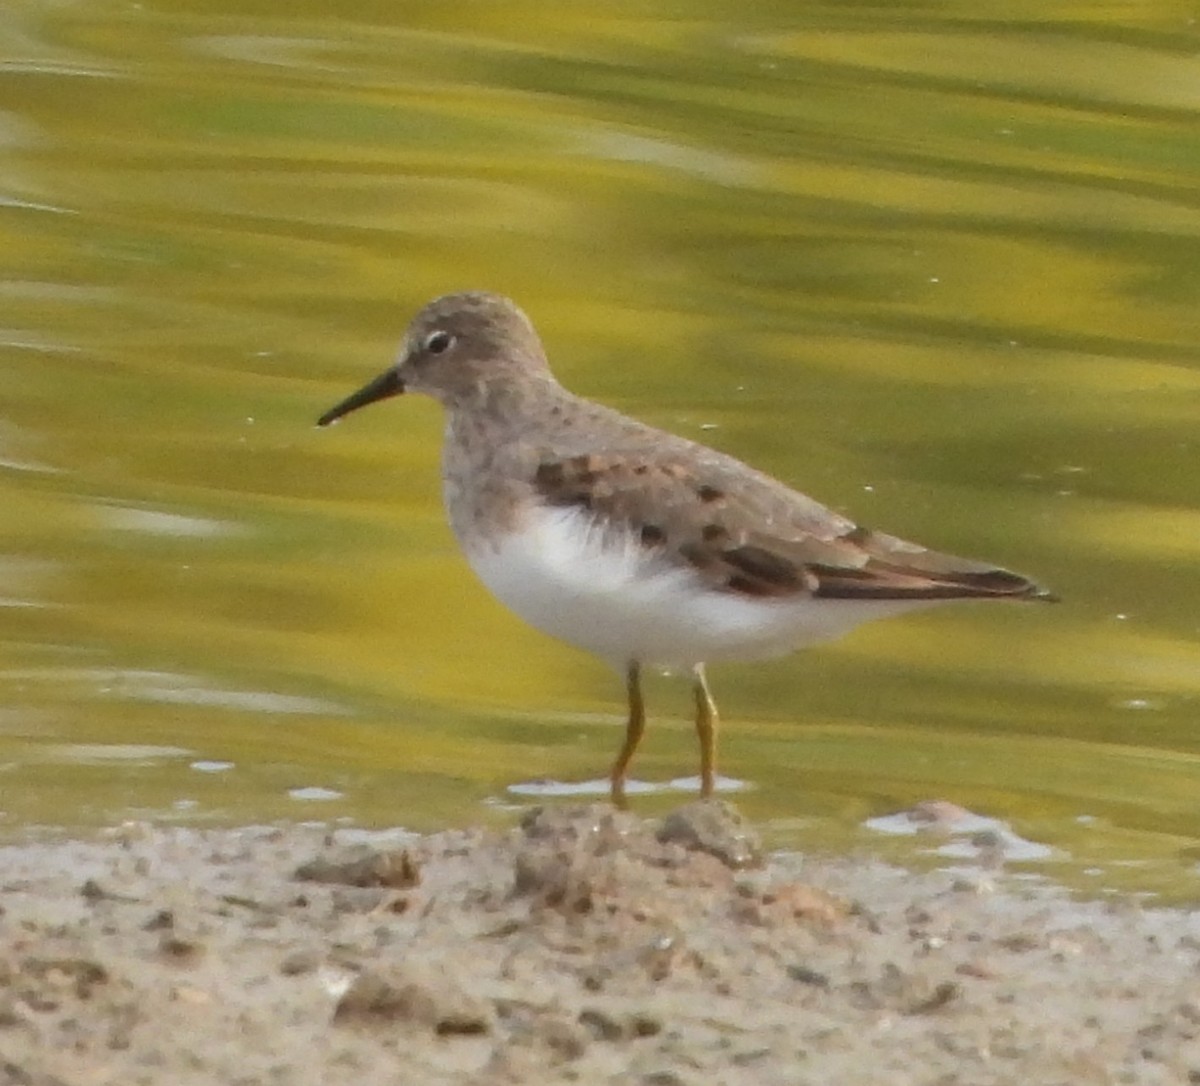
[[635, 544]]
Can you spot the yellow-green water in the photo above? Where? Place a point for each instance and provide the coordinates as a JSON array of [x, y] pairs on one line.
[[938, 269]]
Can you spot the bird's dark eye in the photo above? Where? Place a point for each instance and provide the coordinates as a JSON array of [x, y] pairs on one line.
[[439, 342]]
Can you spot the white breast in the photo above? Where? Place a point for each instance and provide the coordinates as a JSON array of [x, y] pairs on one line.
[[623, 601]]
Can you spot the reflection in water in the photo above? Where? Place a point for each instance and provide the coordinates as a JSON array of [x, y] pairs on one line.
[[170, 689], [156, 522], [958, 834], [601, 787], [939, 270]]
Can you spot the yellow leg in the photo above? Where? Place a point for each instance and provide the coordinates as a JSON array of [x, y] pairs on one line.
[[633, 731], [706, 730]]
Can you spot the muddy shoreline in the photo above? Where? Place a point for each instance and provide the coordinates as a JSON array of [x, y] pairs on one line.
[[583, 946]]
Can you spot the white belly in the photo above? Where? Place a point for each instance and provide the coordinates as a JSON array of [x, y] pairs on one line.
[[622, 602]]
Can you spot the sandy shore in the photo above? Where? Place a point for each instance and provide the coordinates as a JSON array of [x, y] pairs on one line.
[[584, 946]]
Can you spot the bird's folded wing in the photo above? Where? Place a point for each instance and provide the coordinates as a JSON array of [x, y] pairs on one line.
[[750, 535]]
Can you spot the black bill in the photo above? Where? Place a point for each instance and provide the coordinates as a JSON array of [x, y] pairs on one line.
[[385, 385]]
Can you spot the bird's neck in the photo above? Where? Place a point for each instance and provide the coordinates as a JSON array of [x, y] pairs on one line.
[[490, 453]]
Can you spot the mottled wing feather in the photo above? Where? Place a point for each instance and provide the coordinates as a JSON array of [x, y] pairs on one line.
[[750, 535]]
